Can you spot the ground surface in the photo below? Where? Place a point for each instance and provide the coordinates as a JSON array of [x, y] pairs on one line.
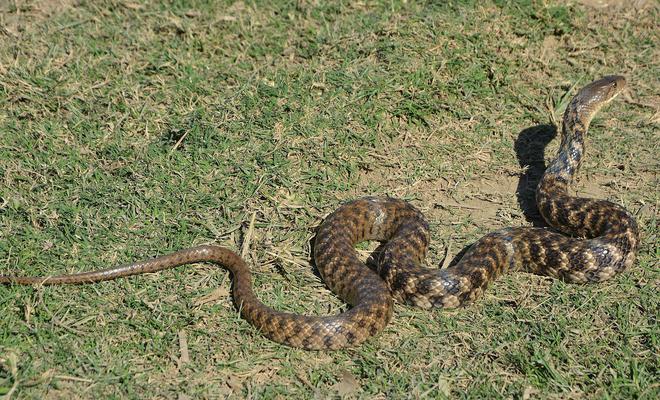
[[132, 129]]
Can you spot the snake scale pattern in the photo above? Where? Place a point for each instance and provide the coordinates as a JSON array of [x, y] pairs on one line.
[[599, 240]]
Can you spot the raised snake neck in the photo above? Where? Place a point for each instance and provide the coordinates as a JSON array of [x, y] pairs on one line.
[[604, 243]]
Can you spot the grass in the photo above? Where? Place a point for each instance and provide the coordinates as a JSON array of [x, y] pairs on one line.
[[131, 129]]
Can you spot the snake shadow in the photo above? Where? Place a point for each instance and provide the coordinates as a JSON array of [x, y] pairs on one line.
[[530, 149]]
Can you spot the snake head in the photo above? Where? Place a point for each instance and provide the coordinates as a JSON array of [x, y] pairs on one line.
[[595, 95]]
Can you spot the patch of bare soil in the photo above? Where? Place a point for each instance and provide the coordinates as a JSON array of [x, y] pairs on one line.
[[18, 16], [493, 201], [482, 199]]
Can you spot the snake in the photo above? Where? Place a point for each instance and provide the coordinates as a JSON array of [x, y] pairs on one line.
[[586, 241]]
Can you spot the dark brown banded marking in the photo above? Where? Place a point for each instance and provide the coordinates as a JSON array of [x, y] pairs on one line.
[[610, 247]]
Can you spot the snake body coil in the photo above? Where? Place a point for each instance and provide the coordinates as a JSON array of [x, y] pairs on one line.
[[603, 242]]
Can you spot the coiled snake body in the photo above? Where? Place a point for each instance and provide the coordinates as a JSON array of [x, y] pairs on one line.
[[603, 242]]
